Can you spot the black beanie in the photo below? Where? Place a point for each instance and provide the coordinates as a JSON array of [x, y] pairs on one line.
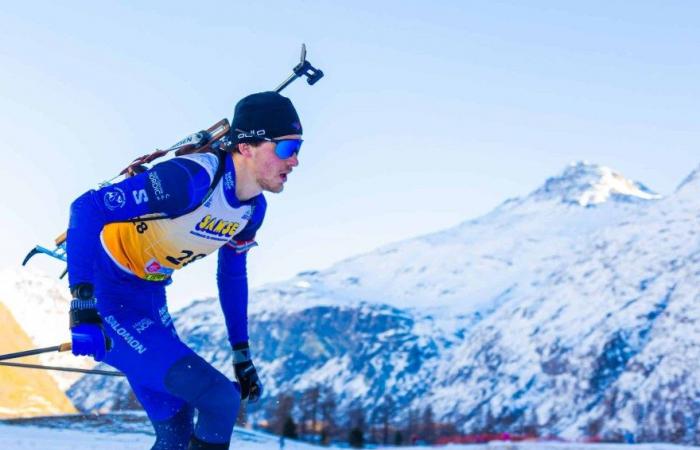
[[265, 114]]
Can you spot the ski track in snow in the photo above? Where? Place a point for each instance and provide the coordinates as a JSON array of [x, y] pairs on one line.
[[13, 437], [22, 437]]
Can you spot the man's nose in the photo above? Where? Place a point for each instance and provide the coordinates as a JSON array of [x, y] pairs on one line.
[[293, 160]]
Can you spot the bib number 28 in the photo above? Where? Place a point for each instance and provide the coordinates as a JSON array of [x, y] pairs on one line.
[[186, 257]]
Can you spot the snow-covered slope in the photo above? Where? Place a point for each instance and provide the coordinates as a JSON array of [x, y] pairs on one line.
[[572, 310], [114, 431], [26, 438], [87, 434]]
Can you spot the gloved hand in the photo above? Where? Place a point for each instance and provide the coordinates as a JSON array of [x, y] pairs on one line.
[[87, 334], [246, 375]]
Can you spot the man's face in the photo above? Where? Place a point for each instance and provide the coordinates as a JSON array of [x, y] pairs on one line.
[[271, 172]]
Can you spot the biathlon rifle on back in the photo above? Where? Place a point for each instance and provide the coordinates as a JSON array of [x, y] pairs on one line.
[[212, 139]]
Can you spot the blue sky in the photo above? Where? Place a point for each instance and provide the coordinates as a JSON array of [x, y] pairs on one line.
[[431, 113]]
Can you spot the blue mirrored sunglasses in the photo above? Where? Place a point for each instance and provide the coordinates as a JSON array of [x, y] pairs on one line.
[[285, 148]]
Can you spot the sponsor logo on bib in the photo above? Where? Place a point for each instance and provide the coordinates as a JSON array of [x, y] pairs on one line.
[[213, 226]]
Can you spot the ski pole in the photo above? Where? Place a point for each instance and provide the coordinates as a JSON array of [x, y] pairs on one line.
[[64, 369], [65, 347]]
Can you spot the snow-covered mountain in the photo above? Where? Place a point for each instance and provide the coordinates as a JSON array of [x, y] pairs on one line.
[[571, 310]]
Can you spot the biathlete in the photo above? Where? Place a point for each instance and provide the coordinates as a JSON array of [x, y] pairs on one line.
[[126, 240]]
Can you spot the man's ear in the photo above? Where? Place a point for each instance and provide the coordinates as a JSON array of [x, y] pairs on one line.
[[245, 149]]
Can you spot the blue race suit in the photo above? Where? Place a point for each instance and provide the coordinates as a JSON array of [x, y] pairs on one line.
[[127, 239]]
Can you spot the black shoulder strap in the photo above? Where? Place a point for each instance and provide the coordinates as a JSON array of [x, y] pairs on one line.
[[217, 177]]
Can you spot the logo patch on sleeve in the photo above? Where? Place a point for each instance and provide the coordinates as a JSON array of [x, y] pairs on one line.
[[157, 186], [114, 199]]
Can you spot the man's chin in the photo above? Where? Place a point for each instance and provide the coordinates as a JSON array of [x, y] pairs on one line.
[[274, 189]]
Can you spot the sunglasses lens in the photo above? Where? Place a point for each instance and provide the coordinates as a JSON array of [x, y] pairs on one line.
[[287, 147]]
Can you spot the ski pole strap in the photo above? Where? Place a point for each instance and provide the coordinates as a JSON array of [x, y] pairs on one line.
[[65, 369]]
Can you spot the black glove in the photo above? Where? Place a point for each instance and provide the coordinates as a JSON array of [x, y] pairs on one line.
[[246, 375], [87, 334]]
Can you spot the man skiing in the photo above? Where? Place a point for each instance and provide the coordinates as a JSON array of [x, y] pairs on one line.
[[125, 241]]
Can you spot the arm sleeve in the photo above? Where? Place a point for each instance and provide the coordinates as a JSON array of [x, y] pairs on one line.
[[232, 280], [232, 277], [169, 188]]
